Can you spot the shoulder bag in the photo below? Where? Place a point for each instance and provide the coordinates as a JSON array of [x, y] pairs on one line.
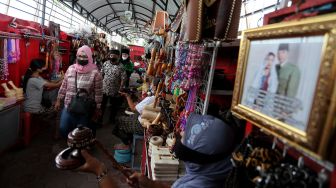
[[81, 103]]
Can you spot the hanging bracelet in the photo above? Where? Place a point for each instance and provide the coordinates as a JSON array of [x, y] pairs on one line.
[[101, 176]]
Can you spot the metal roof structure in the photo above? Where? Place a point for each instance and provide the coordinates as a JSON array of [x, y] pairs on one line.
[[128, 18]]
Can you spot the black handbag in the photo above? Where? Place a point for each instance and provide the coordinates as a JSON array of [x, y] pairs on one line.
[[81, 103]]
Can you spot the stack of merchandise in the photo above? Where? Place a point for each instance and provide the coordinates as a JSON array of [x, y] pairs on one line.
[[163, 165], [154, 141]]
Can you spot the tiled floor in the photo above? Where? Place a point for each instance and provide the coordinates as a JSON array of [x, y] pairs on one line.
[[34, 166]]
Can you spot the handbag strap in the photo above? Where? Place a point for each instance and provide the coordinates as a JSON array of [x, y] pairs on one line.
[[76, 82]]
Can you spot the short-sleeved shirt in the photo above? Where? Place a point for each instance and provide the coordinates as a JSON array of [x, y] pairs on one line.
[[113, 75], [33, 94]]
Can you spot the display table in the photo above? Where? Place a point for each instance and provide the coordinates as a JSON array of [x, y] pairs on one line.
[[10, 124]]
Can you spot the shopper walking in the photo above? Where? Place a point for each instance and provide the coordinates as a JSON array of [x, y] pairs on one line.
[[127, 63], [84, 76], [114, 77]]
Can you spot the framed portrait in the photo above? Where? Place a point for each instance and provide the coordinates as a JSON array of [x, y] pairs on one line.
[[285, 81]]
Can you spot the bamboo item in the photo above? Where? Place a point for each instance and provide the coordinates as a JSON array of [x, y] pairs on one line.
[[151, 108], [150, 115], [169, 67], [158, 69], [157, 119], [150, 69], [158, 90], [163, 67]]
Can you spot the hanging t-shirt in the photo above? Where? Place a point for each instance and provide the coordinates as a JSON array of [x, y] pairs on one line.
[[34, 92]]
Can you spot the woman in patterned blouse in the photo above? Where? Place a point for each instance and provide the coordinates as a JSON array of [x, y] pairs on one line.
[[89, 79]]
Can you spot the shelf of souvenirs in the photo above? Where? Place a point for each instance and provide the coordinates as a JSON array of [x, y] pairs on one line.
[[221, 92]]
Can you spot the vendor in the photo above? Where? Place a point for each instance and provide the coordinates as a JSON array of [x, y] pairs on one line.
[[33, 86], [127, 125], [205, 147]]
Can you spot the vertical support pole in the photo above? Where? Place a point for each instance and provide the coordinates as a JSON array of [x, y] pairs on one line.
[[8, 2], [210, 79], [43, 12]]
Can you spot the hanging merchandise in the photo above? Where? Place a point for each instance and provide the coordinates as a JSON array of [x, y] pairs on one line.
[[189, 108], [180, 61], [287, 175], [11, 51], [194, 20], [227, 21], [209, 18], [193, 69], [17, 47], [56, 64], [160, 22], [175, 25], [3, 60]]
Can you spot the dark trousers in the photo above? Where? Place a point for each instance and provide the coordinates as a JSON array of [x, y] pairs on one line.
[[128, 78], [115, 103]]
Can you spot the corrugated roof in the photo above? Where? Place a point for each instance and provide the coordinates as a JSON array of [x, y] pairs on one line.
[[110, 14]]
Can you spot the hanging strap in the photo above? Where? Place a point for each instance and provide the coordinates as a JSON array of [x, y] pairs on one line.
[[76, 82]]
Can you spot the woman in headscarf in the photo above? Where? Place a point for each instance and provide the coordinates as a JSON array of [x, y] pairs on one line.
[[205, 147], [89, 79], [266, 78], [265, 83]]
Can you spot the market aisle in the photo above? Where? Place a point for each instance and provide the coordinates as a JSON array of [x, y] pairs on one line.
[[34, 167]]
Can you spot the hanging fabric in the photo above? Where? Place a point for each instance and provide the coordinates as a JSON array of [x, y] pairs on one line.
[[3, 60], [11, 51], [194, 20], [17, 47]]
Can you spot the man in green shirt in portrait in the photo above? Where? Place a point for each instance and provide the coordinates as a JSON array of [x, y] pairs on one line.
[[288, 74]]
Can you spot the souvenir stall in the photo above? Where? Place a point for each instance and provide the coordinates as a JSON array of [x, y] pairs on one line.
[[194, 63], [20, 42], [182, 63]]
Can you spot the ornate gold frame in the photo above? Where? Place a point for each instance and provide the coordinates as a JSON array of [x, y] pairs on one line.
[[323, 113]]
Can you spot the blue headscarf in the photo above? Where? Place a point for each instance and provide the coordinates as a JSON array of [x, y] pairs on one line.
[[208, 135]]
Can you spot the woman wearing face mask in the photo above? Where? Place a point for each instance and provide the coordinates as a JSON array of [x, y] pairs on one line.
[[113, 80], [89, 79], [33, 86], [127, 63]]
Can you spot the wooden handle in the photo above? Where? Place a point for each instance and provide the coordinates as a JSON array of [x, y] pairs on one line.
[[150, 69], [153, 54], [157, 119]]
